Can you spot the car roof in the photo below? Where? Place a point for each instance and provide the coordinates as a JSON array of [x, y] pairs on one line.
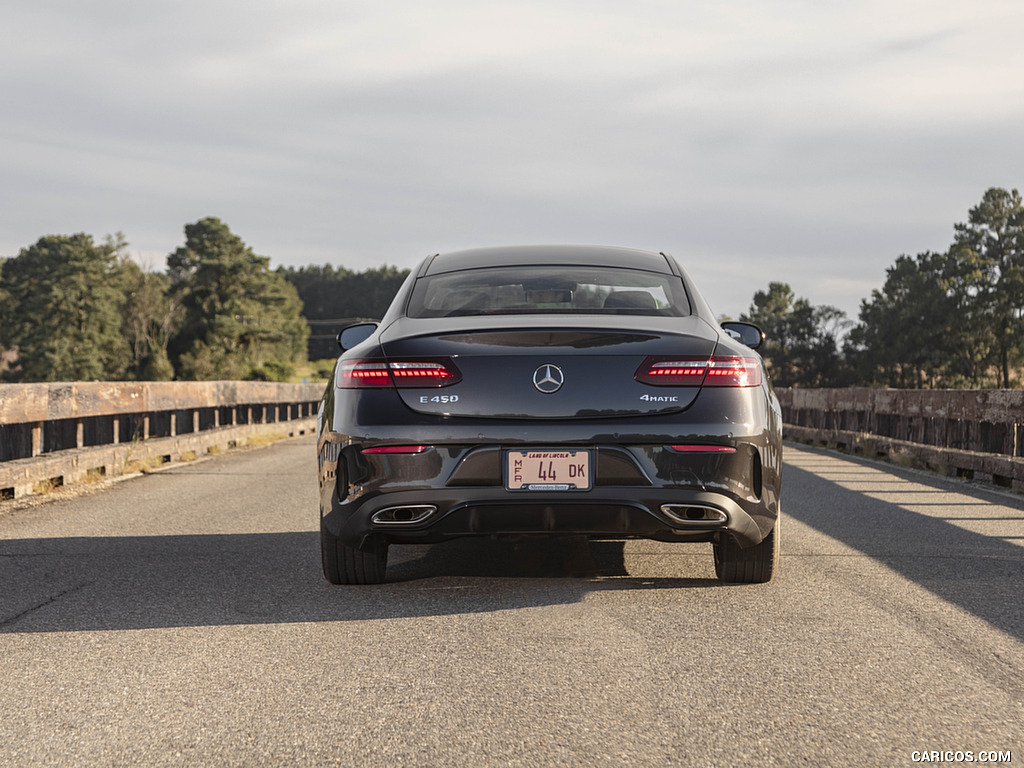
[[537, 255]]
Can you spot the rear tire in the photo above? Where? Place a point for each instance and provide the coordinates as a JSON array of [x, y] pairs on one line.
[[751, 565], [347, 565]]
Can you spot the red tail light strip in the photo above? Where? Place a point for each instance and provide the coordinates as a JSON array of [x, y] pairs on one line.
[[356, 374], [734, 372], [696, 372], [429, 374], [673, 373], [360, 373]]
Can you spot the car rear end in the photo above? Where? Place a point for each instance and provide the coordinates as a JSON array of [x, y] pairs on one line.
[[623, 420]]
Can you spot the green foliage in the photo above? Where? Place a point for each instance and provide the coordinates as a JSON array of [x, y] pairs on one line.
[[950, 319], [329, 291], [324, 369], [75, 310], [157, 367], [61, 310], [903, 338], [987, 267], [237, 315], [149, 318], [272, 372], [334, 297], [801, 340]]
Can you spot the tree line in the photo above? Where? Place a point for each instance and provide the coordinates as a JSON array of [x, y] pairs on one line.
[[334, 297], [941, 320], [72, 309]]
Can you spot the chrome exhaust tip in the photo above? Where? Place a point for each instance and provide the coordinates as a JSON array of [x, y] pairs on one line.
[[410, 514], [694, 514]]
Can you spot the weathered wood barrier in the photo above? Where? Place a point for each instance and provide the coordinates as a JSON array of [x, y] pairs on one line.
[[62, 433], [975, 434]]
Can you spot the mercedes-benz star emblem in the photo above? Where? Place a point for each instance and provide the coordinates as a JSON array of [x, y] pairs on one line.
[[548, 378]]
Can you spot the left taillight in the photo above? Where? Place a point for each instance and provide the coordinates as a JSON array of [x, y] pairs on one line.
[[358, 374], [719, 371]]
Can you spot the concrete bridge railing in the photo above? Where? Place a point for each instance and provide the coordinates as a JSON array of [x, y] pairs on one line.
[[55, 434], [975, 434]]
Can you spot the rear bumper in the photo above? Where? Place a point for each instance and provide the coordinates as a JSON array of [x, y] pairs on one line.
[[623, 512], [636, 474]]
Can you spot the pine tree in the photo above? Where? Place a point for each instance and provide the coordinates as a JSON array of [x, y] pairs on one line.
[[237, 315], [61, 310]]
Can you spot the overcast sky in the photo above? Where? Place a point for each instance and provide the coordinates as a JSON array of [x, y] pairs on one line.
[[803, 141]]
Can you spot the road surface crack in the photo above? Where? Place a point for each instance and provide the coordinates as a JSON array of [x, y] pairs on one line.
[[52, 599]]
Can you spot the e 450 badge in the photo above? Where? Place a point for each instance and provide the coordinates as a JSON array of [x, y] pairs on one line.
[[439, 398]]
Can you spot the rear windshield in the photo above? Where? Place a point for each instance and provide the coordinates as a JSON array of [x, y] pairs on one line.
[[549, 290]]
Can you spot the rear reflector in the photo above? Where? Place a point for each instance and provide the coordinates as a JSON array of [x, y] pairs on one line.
[[696, 372], [356, 374], [703, 448], [397, 449]]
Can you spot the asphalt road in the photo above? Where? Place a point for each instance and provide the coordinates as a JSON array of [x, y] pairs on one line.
[[181, 619]]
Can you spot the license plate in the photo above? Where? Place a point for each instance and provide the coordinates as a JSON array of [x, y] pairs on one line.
[[547, 470]]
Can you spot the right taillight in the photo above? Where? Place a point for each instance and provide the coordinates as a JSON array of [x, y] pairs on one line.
[[720, 371], [675, 372], [733, 372]]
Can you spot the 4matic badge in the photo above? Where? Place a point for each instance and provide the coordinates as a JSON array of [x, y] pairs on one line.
[[659, 398]]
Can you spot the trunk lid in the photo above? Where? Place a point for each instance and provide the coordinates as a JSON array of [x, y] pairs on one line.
[[534, 370]]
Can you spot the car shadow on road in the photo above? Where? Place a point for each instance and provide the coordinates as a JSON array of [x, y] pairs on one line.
[[983, 574], [117, 583]]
